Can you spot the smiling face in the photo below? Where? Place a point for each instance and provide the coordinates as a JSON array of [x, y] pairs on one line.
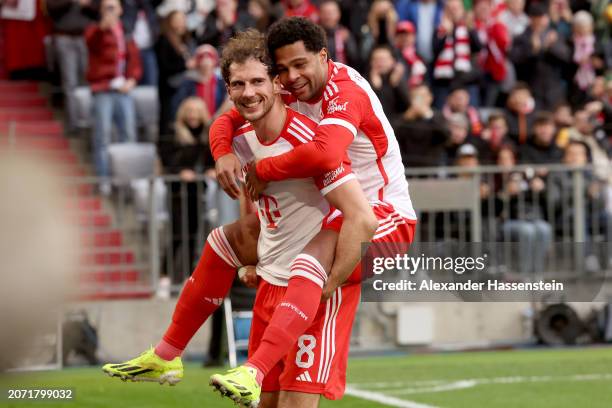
[[251, 89], [302, 72]]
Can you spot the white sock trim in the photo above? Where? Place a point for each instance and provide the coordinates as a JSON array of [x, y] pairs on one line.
[[219, 243], [310, 268]]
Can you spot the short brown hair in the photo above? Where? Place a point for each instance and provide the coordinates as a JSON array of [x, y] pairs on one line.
[[543, 118], [242, 47]]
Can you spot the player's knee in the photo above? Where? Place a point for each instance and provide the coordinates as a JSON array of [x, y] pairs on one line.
[[219, 242], [308, 267], [242, 237], [293, 399]]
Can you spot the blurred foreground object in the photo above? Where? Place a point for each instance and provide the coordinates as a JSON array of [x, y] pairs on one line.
[[38, 250]]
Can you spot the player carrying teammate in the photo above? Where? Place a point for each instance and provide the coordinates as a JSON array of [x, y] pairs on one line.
[[291, 214], [350, 120], [209, 283]]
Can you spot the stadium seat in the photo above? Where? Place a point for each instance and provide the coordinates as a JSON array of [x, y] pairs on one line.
[[131, 161], [145, 98], [134, 163], [431, 195]]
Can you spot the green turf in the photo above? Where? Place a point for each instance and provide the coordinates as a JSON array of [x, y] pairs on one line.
[[525, 379]]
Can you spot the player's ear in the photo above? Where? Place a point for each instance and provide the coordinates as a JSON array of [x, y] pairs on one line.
[[227, 90], [323, 55], [277, 84]]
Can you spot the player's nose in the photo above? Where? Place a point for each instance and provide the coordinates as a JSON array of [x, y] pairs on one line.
[[248, 91], [294, 74]]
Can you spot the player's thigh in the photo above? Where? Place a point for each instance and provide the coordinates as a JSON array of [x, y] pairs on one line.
[[295, 399], [323, 248], [269, 400], [242, 236]]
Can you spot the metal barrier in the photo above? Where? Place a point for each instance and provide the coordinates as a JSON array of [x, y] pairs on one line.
[[149, 228], [534, 206]]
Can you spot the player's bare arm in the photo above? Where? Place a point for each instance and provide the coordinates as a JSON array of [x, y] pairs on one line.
[[248, 273], [358, 227]]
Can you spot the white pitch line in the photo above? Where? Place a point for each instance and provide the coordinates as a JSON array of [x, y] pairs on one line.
[[433, 386], [384, 399], [451, 386]]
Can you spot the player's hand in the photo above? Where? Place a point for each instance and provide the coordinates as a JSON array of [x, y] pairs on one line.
[[329, 289], [254, 184], [228, 171], [248, 276]]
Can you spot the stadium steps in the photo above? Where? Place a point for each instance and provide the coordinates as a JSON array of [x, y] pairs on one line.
[[108, 267]]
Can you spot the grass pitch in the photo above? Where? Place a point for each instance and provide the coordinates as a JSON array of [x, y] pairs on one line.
[[527, 379]]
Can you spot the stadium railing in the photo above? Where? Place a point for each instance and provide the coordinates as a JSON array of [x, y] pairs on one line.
[[156, 226]]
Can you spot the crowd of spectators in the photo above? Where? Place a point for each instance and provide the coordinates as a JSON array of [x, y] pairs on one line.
[[517, 81], [472, 55]]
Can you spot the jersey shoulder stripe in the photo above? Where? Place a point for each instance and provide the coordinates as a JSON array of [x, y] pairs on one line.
[[247, 127]]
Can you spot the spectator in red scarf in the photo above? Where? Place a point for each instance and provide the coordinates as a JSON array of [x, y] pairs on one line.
[[458, 102], [519, 113], [301, 8], [341, 45], [204, 82], [495, 41], [405, 43], [456, 45]]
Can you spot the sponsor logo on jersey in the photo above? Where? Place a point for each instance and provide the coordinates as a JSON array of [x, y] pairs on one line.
[[334, 106], [330, 177]]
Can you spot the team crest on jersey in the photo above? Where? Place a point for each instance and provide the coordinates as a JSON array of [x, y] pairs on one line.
[[334, 106]]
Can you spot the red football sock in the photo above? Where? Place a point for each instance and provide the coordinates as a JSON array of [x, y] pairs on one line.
[[293, 315], [202, 294]]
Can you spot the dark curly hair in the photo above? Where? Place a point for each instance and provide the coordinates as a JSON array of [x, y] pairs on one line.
[[291, 30], [243, 46]]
